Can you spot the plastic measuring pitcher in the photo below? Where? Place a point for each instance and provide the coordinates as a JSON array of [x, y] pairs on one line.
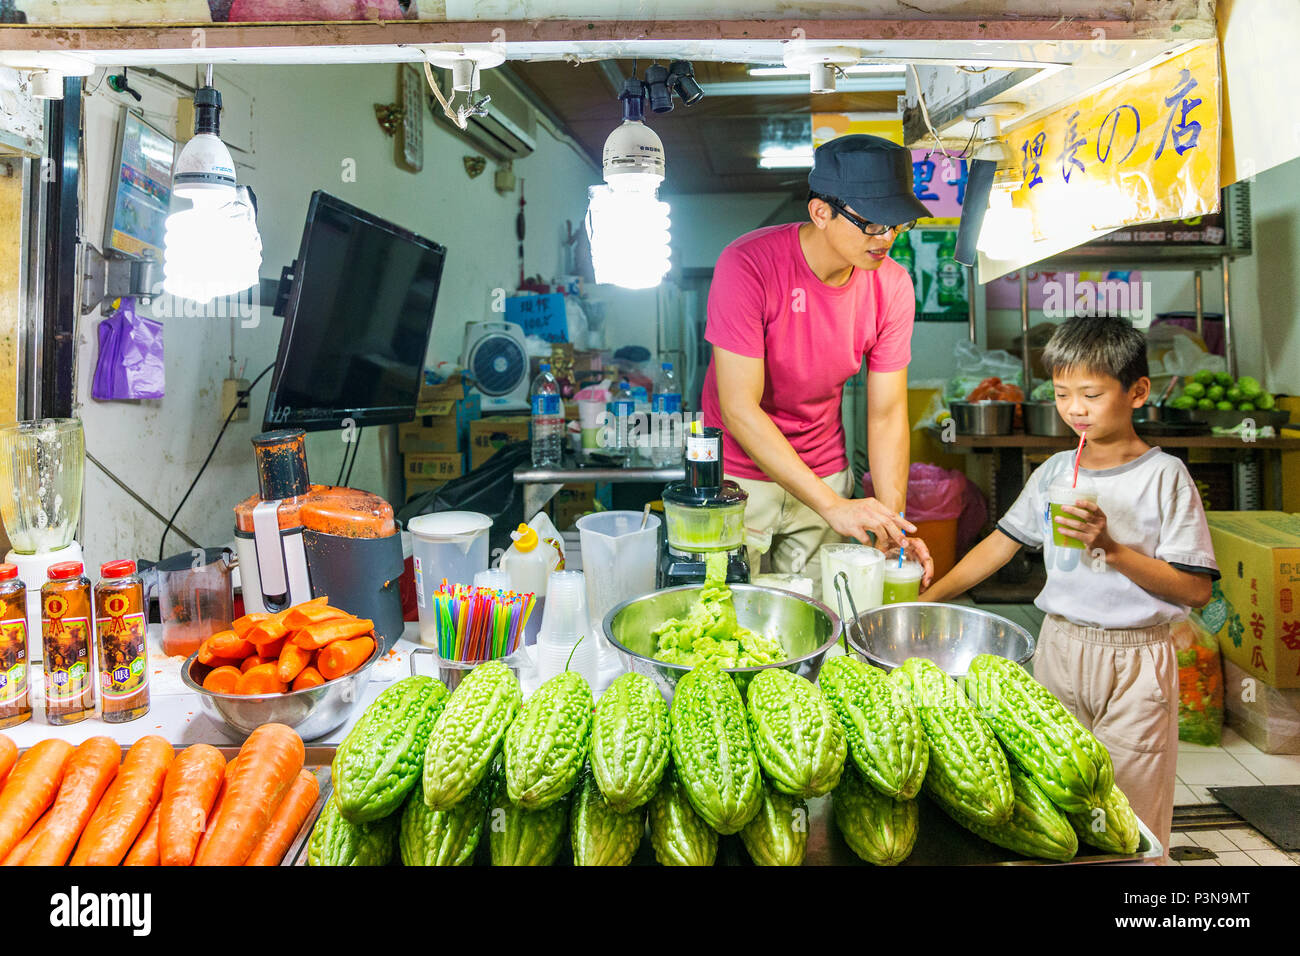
[[447, 544], [622, 558]]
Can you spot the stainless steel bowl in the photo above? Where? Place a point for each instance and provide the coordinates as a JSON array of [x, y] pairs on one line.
[[1275, 417], [948, 634], [1164, 414], [983, 418], [1042, 418], [807, 630], [313, 712]]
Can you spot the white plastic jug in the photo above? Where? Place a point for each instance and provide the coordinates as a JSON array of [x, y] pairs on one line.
[[528, 562], [622, 558], [447, 544]]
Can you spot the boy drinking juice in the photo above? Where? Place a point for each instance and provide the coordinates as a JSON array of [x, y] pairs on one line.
[[1127, 552]]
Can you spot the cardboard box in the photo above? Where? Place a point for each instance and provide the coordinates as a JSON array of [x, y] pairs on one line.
[[436, 467], [570, 503], [454, 387], [442, 430], [488, 434], [1267, 717], [1259, 556]]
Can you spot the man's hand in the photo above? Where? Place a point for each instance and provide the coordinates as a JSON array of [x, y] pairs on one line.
[[1090, 527], [855, 517]]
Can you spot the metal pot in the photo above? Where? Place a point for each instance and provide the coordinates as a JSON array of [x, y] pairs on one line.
[[948, 634], [313, 711], [807, 630], [1165, 414], [983, 418], [1042, 418]]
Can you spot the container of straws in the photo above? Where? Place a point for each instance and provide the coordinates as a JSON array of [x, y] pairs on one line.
[[477, 624]]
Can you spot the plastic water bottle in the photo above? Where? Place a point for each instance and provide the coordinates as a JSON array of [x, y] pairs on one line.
[[548, 419], [666, 448], [622, 410]]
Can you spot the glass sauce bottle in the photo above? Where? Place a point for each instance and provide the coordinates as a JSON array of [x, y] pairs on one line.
[[66, 640], [15, 703], [120, 643]]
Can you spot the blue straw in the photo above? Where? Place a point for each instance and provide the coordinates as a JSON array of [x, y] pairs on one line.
[[900, 547]]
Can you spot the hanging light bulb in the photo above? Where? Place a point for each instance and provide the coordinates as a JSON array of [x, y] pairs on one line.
[[627, 223], [213, 248]]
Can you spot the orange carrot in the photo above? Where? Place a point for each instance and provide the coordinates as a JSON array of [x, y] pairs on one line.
[[144, 852], [264, 632], [30, 789], [343, 657], [304, 614], [230, 645], [287, 821], [252, 660], [187, 798], [261, 679], [222, 680], [271, 651], [242, 625], [91, 770], [8, 754], [268, 763], [310, 677], [126, 807], [210, 824], [316, 636], [292, 660], [18, 855]]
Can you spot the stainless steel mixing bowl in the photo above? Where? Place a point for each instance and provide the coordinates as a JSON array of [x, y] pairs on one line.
[[948, 634], [313, 712], [806, 628]]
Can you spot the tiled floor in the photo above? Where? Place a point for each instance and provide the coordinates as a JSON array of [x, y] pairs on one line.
[[1234, 763]]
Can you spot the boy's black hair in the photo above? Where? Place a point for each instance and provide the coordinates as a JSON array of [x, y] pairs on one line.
[[829, 200], [1106, 345]]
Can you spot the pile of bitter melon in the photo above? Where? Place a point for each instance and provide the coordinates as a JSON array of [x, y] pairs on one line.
[[426, 775]]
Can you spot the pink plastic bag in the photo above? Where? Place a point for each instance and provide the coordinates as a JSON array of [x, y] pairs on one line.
[[937, 494]]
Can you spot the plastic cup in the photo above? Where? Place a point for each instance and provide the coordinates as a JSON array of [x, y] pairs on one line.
[[1060, 496], [865, 570], [446, 544], [902, 584], [566, 638]]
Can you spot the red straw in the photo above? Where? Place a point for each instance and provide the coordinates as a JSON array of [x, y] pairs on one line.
[[1082, 438]]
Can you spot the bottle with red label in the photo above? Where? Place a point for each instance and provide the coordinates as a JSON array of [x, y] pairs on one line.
[[120, 643], [66, 641], [15, 702]]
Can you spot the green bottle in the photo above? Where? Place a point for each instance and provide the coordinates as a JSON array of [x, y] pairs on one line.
[[903, 253], [949, 273]]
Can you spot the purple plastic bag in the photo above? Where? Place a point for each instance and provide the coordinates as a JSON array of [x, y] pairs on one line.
[[130, 363]]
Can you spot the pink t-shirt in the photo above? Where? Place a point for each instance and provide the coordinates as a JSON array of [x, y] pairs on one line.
[[766, 303]]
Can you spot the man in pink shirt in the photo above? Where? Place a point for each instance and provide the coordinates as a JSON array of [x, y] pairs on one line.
[[794, 310]]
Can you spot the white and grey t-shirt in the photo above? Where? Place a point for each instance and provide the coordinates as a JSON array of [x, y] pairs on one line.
[[1151, 505]]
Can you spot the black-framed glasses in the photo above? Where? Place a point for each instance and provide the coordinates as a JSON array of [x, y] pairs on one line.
[[869, 228]]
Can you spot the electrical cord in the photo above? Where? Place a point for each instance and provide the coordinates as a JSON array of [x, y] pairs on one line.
[[356, 449], [202, 468]]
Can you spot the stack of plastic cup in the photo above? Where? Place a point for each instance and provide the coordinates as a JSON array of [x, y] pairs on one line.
[[493, 578], [564, 626]]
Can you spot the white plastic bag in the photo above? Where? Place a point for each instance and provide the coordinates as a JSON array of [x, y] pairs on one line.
[[975, 364]]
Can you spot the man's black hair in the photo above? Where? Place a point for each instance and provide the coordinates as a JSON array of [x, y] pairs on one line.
[[1107, 345], [829, 200]]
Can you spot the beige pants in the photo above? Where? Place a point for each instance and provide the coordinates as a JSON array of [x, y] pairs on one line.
[[779, 525], [1123, 686]]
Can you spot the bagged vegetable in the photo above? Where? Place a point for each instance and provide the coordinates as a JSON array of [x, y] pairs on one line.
[[975, 365], [1200, 680]]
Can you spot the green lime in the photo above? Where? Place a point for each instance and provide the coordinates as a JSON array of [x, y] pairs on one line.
[[1203, 377], [1194, 390], [1216, 393], [1234, 395], [1183, 401], [1265, 401], [1205, 404], [1222, 378], [1223, 406], [1249, 386], [1245, 407]]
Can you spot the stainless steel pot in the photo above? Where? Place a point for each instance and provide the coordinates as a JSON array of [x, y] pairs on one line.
[[807, 629], [948, 634], [983, 418], [1042, 418]]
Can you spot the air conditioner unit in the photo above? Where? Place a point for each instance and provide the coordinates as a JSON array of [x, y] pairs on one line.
[[507, 131]]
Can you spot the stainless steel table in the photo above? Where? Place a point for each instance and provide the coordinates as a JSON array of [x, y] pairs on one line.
[[541, 484]]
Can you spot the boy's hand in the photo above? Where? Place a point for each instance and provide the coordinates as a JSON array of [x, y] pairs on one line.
[[1090, 527], [915, 550]]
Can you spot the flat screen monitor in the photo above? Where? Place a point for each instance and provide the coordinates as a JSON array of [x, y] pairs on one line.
[[356, 322]]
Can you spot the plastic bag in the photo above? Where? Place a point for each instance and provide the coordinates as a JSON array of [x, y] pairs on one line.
[[489, 489], [1200, 682], [975, 364], [130, 363]]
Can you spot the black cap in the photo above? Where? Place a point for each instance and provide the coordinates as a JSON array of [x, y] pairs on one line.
[[870, 175]]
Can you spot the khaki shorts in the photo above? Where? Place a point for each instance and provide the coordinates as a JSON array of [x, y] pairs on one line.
[[1123, 686], [787, 531]]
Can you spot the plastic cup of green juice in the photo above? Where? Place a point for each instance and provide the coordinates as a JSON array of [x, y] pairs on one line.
[[1062, 496], [902, 583]]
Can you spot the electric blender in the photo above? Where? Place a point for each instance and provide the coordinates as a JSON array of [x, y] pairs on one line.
[[705, 515]]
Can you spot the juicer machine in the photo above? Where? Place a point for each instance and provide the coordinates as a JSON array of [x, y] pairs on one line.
[[704, 514]]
